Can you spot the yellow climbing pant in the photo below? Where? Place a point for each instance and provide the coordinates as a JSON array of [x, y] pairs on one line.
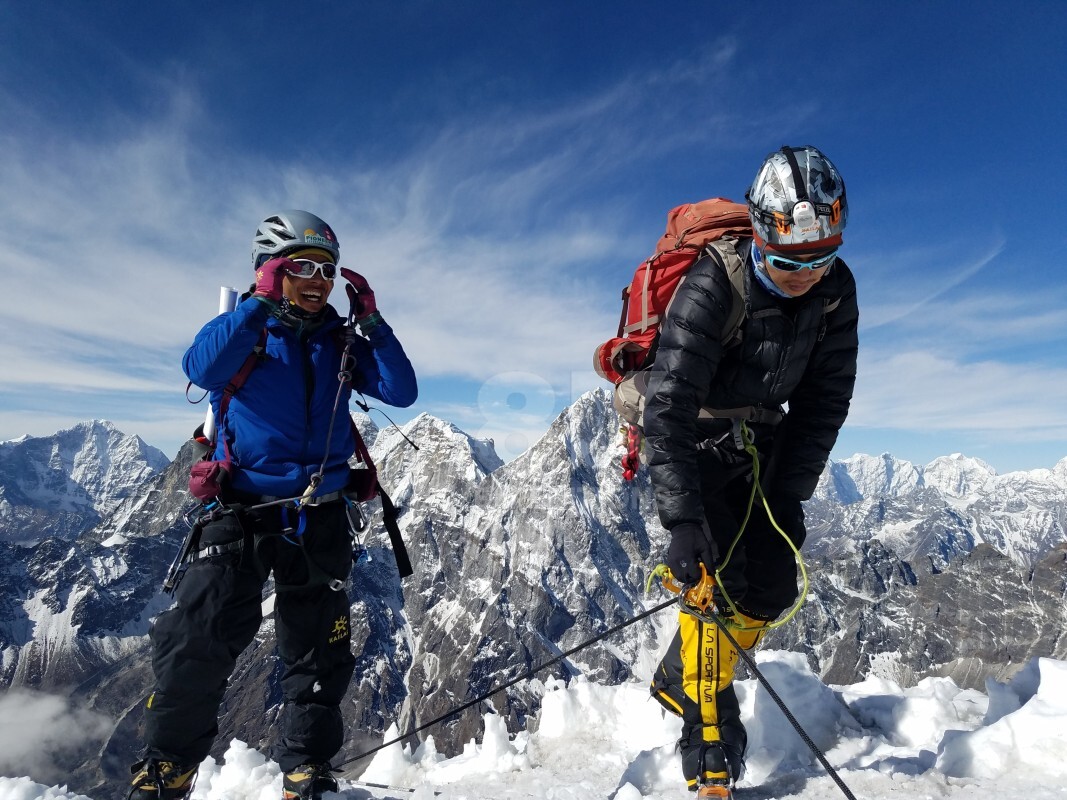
[[694, 680]]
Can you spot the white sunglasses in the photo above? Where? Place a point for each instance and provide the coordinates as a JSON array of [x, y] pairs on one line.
[[308, 269]]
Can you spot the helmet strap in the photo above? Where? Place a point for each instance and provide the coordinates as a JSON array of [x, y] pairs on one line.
[[799, 183]]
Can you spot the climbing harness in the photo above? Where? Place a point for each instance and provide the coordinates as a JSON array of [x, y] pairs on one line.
[[745, 437], [293, 523], [743, 440]]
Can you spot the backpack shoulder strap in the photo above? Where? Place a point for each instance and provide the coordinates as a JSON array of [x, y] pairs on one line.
[[239, 377], [727, 256], [725, 252], [828, 305], [370, 487], [392, 526]]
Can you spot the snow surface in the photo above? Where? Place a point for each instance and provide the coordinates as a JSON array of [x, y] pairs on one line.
[[933, 740]]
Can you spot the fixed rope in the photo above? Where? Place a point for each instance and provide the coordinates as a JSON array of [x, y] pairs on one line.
[[526, 676]]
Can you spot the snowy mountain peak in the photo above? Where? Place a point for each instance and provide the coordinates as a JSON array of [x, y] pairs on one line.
[[1059, 471], [60, 485], [437, 442], [516, 563], [942, 510], [366, 427], [864, 476], [957, 475]]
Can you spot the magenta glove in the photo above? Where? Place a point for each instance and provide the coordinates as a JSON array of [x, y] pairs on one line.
[[359, 294], [269, 279]]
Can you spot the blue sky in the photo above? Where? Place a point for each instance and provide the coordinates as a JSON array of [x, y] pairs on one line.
[[497, 170]]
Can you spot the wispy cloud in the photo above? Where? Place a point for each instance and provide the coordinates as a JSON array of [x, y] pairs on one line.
[[496, 245], [122, 242], [917, 390], [949, 346], [471, 242], [966, 306], [908, 281]]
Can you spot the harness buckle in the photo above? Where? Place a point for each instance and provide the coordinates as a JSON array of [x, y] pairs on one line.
[[737, 432]]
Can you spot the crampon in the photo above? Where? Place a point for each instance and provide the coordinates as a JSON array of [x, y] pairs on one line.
[[717, 791]]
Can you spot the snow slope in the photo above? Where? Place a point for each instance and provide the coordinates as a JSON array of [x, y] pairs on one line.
[[933, 740]]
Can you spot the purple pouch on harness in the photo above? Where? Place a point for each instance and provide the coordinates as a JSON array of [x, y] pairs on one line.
[[206, 479], [362, 483]]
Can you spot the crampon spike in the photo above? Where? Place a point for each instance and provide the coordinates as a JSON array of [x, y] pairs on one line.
[[717, 791]]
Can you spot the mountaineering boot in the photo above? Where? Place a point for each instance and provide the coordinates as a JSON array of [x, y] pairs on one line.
[[715, 778], [161, 780], [308, 782]]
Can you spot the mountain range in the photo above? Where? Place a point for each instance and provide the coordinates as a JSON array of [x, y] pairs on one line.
[[61, 486], [943, 569]]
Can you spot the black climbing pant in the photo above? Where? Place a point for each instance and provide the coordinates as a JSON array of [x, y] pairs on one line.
[[195, 644]]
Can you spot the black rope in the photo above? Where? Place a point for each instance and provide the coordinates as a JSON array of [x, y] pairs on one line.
[[711, 616], [367, 408], [529, 674]]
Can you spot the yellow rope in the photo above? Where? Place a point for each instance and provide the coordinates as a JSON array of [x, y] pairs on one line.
[[662, 571], [757, 488]]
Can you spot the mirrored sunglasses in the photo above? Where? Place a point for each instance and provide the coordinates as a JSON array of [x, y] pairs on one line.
[[309, 267], [790, 265]]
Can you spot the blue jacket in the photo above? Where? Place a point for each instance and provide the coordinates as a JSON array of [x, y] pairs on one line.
[[276, 424]]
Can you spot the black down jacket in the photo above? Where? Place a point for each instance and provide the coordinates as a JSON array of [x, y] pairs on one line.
[[790, 352]]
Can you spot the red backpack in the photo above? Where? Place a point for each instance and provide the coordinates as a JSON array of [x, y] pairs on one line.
[[690, 228]]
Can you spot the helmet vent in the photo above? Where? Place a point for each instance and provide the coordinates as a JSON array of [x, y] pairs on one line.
[[288, 231]]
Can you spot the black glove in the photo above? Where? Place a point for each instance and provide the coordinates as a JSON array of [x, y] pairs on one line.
[[689, 548]]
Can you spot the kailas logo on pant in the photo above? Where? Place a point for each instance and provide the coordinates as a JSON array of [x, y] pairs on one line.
[[340, 630]]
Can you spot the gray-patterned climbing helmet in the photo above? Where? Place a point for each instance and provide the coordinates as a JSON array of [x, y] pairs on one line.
[[798, 198], [289, 231]]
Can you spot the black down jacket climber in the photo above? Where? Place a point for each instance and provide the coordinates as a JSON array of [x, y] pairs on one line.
[[792, 350]]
